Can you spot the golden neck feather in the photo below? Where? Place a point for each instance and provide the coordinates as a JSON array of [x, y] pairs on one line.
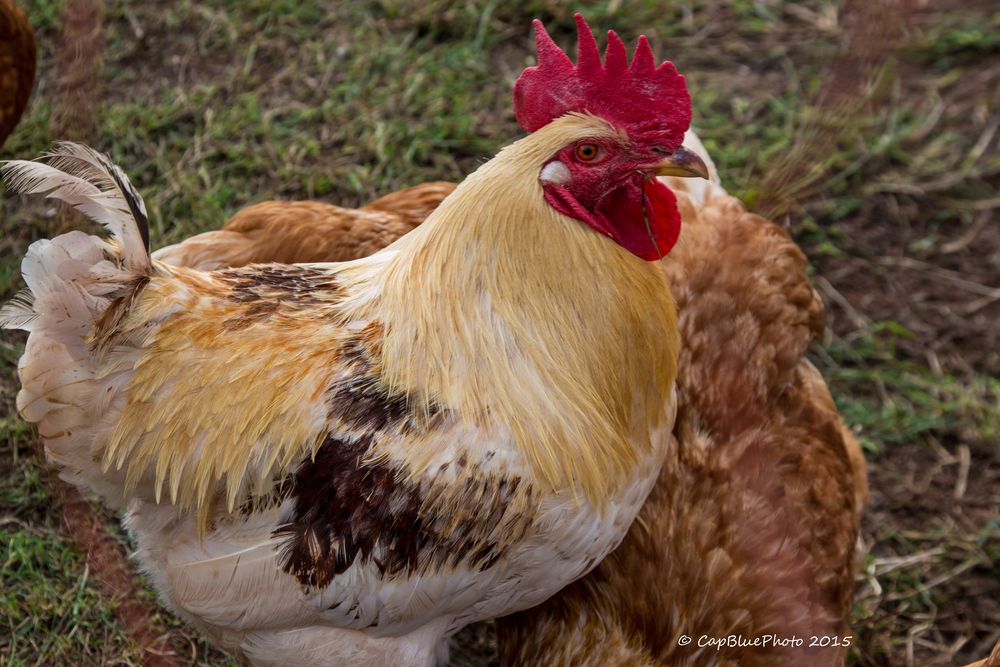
[[516, 316]]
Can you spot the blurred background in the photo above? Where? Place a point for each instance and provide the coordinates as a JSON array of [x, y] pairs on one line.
[[869, 129]]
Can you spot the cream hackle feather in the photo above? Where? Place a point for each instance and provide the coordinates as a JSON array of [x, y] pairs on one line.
[[552, 331]]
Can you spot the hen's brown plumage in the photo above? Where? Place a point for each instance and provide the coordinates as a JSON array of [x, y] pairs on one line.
[[751, 527], [308, 231], [17, 65]]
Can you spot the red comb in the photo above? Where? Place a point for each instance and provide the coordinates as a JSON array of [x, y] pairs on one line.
[[641, 97]]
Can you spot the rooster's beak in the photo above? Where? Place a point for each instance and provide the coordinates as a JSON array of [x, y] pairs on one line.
[[683, 162]]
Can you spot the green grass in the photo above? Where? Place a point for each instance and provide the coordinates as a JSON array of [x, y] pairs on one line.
[[52, 612], [891, 400], [210, 106]]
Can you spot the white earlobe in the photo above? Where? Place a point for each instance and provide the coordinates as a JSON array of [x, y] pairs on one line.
[[555, 172]]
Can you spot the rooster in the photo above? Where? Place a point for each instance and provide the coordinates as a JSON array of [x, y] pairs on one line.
[[751, 526], [344, 463], [17, 65]]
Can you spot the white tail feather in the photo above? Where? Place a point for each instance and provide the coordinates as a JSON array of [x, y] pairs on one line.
[[71, 281], [18, 313]]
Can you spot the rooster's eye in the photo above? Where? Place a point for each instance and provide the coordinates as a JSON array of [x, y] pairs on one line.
[[587, 152]]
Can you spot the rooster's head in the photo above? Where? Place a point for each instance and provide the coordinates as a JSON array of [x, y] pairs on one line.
[[607, 179]]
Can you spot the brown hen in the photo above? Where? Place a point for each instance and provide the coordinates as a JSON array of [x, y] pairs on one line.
[[17, 65], [751, 528]]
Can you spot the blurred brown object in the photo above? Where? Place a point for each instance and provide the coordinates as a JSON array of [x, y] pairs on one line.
[[17, 65], [850, 86]]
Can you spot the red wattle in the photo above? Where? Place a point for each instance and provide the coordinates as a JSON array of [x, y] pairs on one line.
[[620, 215], [646, 229]]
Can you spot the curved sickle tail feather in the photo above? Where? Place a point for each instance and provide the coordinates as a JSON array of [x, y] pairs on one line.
[[92, 184], [79, 288]]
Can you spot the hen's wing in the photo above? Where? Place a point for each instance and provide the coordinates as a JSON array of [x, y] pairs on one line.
[[413, 204], [307, 231], [17, 65]]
